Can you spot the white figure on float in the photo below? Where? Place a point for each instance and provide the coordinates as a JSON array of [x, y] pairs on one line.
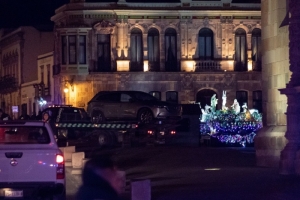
[[205, 112], [224, 99], [236, 106], [213, 103], [245, 107]]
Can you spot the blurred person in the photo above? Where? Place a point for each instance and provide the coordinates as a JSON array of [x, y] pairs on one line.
[[100, 180], [24, 117], [4, 116], [33, 116]]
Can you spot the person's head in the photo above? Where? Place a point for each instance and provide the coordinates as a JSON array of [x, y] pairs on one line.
[[46, 116], [105, 168]]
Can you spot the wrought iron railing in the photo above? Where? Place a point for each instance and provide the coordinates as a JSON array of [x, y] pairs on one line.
[[207, 65]]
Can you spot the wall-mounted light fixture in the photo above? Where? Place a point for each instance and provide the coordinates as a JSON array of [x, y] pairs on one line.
[[66, 88]]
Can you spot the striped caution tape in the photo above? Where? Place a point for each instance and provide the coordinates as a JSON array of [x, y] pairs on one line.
[[100, 126]]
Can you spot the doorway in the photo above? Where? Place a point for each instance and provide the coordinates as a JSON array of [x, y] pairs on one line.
[[204, 97]]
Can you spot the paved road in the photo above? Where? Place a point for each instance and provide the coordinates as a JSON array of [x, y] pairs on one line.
[[184, 171]]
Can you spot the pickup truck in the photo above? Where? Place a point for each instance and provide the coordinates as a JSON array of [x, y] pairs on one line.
[[31, 163]]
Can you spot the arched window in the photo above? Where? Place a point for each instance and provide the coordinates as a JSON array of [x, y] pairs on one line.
[[103, 51], [136, 50], [205, 44], [171, 50], [257, 100], [240, 58], [256, 49], [153, 50], [242, 97]]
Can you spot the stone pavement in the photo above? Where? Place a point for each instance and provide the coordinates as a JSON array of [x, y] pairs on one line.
[[212, 173]]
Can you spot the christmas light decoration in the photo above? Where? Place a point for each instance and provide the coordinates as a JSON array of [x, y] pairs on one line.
[[232, 128]]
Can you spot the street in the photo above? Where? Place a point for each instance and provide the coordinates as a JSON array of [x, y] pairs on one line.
[[183, 170]]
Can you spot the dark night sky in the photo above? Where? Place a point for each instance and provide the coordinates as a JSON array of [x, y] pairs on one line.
[[14, 13]]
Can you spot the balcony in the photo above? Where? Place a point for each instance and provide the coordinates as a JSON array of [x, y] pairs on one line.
[[207, 65]]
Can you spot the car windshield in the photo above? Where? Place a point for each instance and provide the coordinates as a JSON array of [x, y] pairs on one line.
[[144, 96], [24, 135]]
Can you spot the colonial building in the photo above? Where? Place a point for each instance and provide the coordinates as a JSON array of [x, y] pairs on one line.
[[19, 50], [182, 52]]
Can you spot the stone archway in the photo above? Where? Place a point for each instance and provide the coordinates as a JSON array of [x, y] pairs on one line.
[[204, 97]]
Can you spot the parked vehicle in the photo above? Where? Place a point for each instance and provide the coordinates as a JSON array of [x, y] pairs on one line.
[[64, 113], [74, 127], [131, 105], [31, 163]]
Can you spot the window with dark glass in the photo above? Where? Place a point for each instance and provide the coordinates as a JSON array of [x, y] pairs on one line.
[[72, 50], [205, 44], [64, 50], [156, 94], [242, 98], [103, 51], [153, 50], [256, 49], [257, 100], [240, 57], [82, 49], [112, 97], [171, 50], [136, 50], [172, 96]]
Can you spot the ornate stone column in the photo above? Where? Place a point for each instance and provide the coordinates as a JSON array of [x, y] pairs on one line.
[[289, 162]]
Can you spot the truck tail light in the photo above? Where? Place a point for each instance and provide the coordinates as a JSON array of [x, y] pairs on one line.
[[150, 132], [173, 132], [60, 169]]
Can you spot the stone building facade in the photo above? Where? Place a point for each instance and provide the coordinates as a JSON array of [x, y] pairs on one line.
[[19, 51], [182, 52]]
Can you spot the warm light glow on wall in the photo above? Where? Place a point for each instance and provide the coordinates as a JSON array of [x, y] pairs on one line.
[[123, 65], [250, 65], [146, 66], [66, 89], [188, 66]]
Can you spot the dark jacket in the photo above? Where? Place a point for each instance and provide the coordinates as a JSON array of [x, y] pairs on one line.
[[5, 116], [95, 187]]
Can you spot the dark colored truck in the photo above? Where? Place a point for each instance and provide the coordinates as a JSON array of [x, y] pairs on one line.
[[73, 126]]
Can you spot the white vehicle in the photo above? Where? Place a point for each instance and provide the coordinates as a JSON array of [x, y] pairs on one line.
[[31, 164]]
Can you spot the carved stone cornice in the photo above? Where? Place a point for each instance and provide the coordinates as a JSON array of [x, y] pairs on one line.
[[11, 39], [104, 27]]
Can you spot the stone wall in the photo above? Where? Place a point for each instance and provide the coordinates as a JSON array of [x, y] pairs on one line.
[[270, 141]]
